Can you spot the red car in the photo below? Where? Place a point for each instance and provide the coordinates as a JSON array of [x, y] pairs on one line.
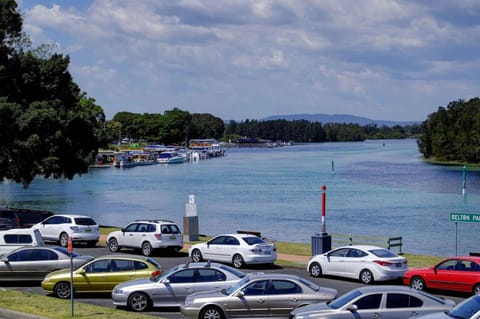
[[456, 273]]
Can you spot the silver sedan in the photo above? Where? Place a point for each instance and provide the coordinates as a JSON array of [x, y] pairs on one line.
[[386, 302], [32, 263], [171, 288], [256, 295]]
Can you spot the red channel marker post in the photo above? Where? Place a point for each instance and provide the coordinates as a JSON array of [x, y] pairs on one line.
[[70, 252]]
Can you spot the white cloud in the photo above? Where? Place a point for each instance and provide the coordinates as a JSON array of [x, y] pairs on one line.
[[253, 58]]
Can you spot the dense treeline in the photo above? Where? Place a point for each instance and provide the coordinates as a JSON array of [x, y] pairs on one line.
[[177, 126], [305, 131], [452, 133]]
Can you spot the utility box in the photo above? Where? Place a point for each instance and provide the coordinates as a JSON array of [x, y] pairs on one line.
[[190, 220], [321, 243]]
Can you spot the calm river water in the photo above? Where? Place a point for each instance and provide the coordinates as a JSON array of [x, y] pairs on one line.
[[376, 188]]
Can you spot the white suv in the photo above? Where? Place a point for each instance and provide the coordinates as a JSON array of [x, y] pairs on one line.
[[80, 228], [147, 235]]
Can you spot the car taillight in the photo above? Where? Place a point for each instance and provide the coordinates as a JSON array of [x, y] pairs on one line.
[[158, 236], [74, 228], [256, 250], [156, 273], [383, 263]]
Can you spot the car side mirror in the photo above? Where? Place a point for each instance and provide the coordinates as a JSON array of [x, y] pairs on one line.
[[5, 260], [239, 294], [352, 308], [82, 271], [166, 281], [123, 230]]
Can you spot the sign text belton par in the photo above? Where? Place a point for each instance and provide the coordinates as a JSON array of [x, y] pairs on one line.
[[464, 218]]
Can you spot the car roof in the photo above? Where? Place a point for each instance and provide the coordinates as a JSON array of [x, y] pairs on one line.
[[261, 275], [471, 258], [122, 256], [156, 221], [385, 288], [71, 215], [202, 264], [364, 247], [237, 235]]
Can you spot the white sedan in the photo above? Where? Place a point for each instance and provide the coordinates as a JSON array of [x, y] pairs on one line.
[[363, 262], [237, 249]]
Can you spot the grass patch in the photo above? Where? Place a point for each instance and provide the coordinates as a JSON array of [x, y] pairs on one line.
[[59, 309]]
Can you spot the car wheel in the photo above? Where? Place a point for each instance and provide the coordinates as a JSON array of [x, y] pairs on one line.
[[147, 248], [417, 283], [366, 276], [211, 313], [196, 256], [238, 261], [62, 290], [63, 239], [315, 270], [476, 289], [113, 245], [138, 301]]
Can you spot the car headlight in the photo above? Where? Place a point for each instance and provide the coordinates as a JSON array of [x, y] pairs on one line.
[[188, 302], [117, 291], [302, 317]]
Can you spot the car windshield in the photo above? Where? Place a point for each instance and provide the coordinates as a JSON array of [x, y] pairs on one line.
[[309, 284], [342, 300], [84, 221], [239, 284], [253, 240], [384, 253], [466, 308], [65, 251], [238, 273], [165, 274]]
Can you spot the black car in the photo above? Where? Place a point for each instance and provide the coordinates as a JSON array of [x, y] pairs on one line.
[[9, 219]]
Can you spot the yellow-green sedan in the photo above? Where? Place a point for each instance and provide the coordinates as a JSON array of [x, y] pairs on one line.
[[100, 274]]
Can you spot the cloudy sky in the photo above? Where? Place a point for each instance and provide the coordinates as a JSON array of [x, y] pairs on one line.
[[238, 59]]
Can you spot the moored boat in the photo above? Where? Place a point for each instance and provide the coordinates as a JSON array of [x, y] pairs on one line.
[[170, 157]]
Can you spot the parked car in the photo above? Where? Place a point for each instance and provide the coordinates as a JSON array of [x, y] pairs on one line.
[[32, 263], [256, 295], [237, 249], [14, 238], [386, 302], [467, 309], [57, 228], [363, 262], [9, 219], [170, 288], [147, 235], [100, 274], [456, 273]]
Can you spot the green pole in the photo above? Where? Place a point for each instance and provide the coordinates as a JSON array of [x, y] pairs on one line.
[[464, 179]]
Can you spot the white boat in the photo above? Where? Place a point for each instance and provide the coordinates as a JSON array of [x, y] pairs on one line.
[[123, 160], [170, 157]]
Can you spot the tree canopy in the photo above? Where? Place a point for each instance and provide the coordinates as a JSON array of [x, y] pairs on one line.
[[453, 133], [48, 127]]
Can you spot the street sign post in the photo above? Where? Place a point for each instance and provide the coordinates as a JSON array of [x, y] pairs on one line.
[[464, 218], [458, 217]]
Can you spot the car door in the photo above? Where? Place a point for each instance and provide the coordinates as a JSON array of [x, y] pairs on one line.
[[177, 286], [103, 274], [403, 305], [447, 275], [335, 262], [213, 250], [283, 296], [21, 264], [368, 307], [49, 229], [354, 262], [253, 303], [130, 236], [209, 279]]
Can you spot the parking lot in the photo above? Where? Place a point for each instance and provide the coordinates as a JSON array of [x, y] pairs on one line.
[[341, 285]]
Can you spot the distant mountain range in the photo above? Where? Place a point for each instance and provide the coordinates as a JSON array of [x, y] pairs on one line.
[[338, 118]]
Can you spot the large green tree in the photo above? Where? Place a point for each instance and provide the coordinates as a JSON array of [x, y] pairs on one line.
[[48, 127]]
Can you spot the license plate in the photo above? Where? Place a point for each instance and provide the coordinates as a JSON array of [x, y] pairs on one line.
[[398, 265], [88, 230], [173, 237], [267, 252]]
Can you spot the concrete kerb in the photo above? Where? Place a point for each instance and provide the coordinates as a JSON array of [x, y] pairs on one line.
[[11, 314]]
